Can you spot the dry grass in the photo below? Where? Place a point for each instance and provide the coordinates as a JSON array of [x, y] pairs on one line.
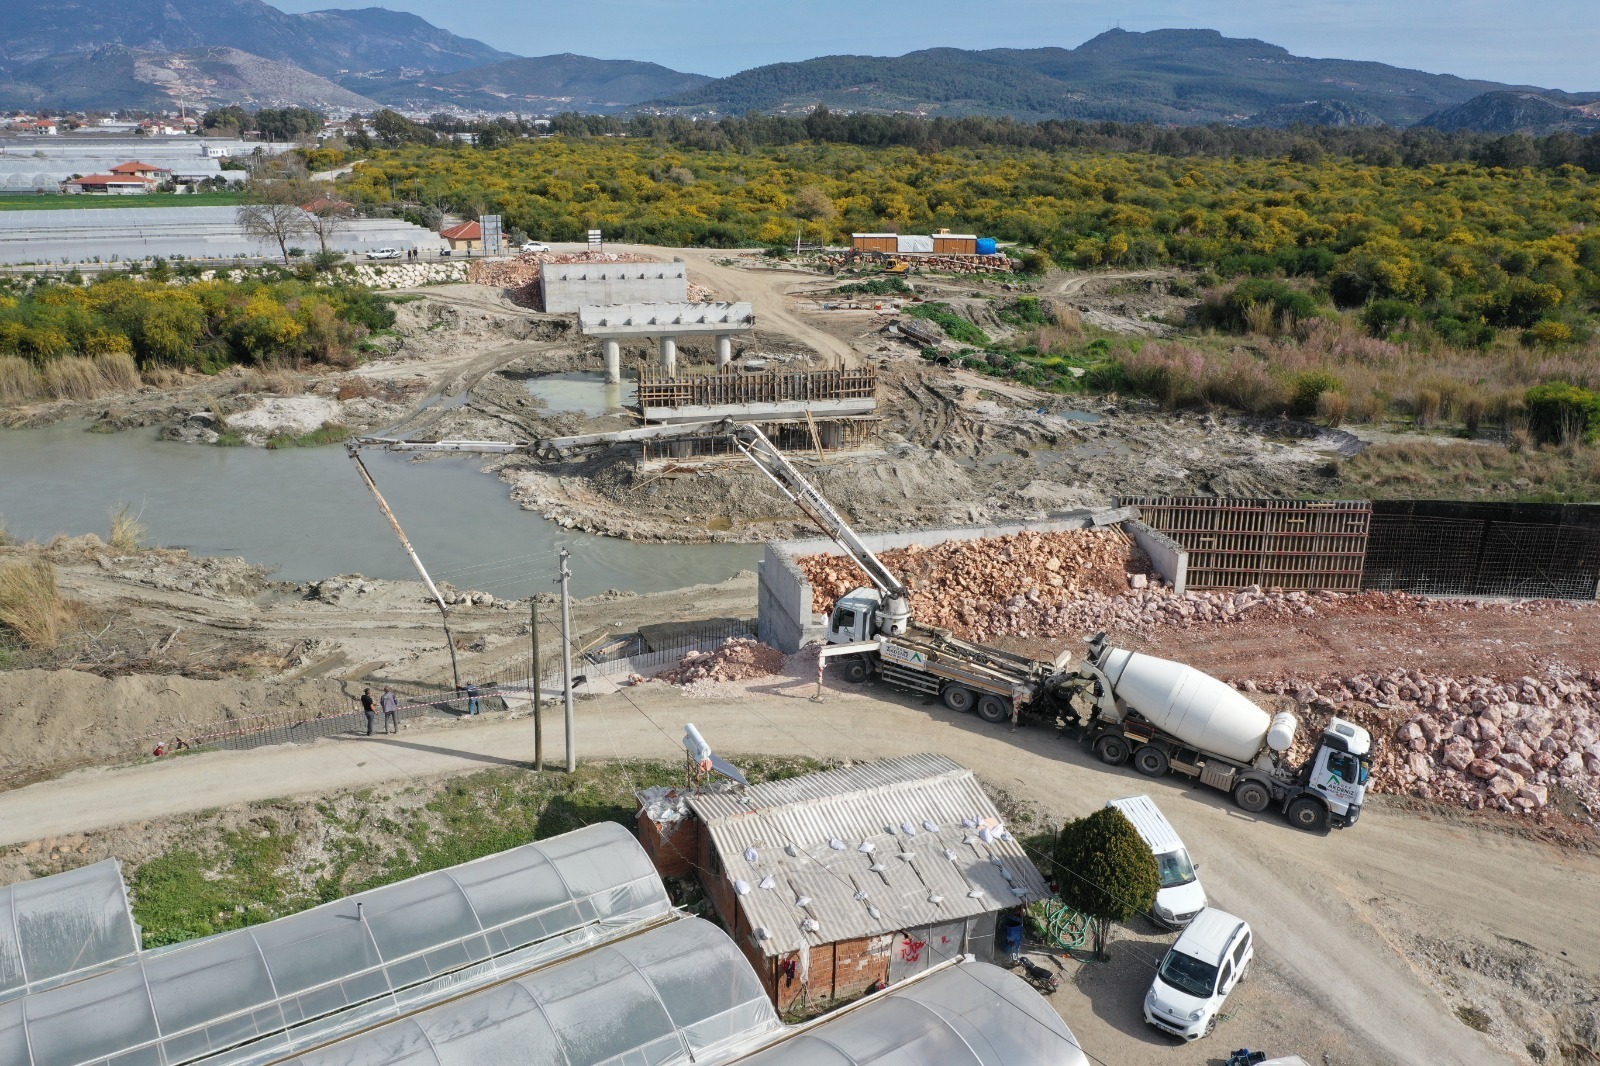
[[5, 535], [88, 377], [165, 377], [128, 534], [30, 604], [1462, 471], [278, 381], [19, 382], [73, 377], [1425, 384]]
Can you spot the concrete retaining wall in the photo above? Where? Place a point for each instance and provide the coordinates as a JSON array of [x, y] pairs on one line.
[[568, 287], [1168, 557], [787, 621]]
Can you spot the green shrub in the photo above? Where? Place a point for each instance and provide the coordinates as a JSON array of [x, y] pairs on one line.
[[1254, 303], [1383, 317], [1559, 413], [1025, 311], [1307, 387], [1105, 870], [955, 327]]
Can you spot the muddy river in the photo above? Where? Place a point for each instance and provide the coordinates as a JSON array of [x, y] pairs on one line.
[[305, 512]]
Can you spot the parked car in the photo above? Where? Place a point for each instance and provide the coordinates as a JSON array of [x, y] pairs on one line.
[[385, 253], [1180, 897], [534, 246], [1197, 974]]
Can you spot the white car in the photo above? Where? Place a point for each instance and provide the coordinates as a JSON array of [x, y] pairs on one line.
[[1197, 974], [386, 253], [535, 246], [1180, 897]]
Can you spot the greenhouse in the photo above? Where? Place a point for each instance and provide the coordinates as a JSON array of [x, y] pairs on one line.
[[65, 924], [682, 993], [967, 1014], [108, 234], [254, 994]]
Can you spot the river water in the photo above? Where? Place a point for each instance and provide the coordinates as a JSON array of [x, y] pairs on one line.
[[305, 512]]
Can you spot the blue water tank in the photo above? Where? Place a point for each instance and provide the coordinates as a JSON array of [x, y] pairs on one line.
[[987, 246], [1008, 936]]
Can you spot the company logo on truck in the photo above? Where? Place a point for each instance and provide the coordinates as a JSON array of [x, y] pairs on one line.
[[905, 656]]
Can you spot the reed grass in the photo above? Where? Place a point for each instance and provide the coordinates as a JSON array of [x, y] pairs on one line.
[[128, 533], [31, 606]]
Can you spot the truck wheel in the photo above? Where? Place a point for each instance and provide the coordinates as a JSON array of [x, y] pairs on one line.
[[1113, 751], [1151, 761], [992, 708], [1252, 796], [1308, 814], [959, 698], [856, 670]]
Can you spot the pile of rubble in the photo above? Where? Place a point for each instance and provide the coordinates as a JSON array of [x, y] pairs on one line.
[[521, 275], [1510, 745], [954, 583], [738, 659]]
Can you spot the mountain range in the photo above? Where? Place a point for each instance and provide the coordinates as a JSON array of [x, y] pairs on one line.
[[151, 54]]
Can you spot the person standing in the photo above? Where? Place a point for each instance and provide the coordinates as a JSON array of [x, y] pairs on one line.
[[391, 710], [366, 706], [474, 704]]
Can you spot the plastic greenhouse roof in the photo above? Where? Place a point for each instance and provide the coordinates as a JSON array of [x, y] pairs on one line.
[[271, 989], [678, 994], [63, 924], [969, 1014]]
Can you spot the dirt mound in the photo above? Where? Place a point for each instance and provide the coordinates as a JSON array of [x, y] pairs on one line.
[[59, 718], [738, 659]]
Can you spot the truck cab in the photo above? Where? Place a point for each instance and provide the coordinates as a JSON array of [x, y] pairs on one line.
[[855, 617], [1340, 770]]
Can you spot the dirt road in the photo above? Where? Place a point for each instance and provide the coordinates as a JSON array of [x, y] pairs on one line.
[[1333, 913], [766, 290]]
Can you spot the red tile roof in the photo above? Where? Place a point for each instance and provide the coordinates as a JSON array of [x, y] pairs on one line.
[[467, 231], [137, 167]]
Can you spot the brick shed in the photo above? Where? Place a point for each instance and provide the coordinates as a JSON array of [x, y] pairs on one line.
[[836, 881]]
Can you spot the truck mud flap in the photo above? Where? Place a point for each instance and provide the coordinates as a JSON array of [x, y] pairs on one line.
[[915, 680]]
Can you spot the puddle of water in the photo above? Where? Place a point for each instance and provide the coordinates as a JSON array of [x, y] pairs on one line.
[[305, 512], [445, 403], [583, 391]]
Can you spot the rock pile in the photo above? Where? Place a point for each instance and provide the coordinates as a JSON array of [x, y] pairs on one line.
[[1478, 742], [521, 275], [957, 584], [407, 275], [738, 659]]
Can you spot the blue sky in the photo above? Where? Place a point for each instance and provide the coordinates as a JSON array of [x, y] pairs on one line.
[[1553, 43]]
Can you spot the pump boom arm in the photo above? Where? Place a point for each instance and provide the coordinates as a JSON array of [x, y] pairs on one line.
[[754, 444]]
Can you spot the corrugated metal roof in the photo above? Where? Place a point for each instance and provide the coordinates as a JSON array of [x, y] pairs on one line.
[[866, 850]]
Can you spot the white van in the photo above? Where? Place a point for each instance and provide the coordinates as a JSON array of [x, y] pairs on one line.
[[1180, 897], [1197, 974]]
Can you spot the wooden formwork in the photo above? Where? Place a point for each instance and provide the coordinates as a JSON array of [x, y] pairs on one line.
[[1287, 544], [801, 435], [729, 389]]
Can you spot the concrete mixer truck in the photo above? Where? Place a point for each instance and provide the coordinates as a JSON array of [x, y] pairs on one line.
[[1168, 716]]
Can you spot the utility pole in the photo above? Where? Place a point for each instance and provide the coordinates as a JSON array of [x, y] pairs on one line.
[[536, 682], [566, 655]]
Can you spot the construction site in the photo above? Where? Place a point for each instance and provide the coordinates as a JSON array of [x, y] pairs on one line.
[[955, 583]]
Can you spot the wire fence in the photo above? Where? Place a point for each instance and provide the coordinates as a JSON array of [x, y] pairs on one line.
[[509, 687]]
